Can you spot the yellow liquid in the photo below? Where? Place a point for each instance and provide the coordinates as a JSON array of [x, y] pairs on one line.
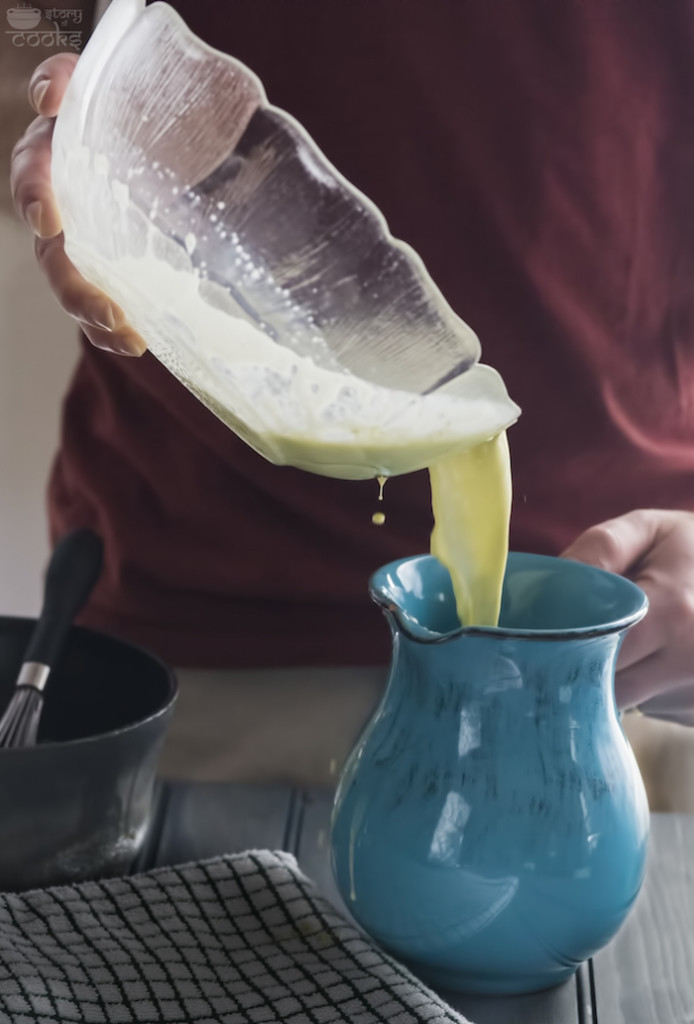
[[234, 368], [471, 502]]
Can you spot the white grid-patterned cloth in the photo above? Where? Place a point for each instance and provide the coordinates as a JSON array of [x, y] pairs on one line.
[[237, 939]]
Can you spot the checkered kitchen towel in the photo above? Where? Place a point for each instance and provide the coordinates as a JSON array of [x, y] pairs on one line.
[[237, 939]]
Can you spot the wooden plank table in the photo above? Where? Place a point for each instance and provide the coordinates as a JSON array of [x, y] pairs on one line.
[[645, 976]]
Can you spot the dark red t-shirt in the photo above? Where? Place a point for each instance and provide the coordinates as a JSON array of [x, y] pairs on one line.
[[539, 155]]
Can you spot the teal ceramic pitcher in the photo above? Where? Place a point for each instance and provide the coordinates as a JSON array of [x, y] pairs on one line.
[[490, 827]]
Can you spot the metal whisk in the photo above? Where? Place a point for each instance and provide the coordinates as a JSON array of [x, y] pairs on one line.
[[73, 570]]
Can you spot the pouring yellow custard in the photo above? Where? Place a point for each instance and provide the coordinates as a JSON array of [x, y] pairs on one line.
[[296, 413], [471, 502]]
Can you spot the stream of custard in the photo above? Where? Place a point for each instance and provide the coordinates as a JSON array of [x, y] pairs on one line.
[[471, 502]]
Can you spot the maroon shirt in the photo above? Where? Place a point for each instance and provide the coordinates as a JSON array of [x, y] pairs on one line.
[[540, 158]]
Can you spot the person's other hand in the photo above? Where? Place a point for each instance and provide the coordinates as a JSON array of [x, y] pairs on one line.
[[655, 549], [101, 319]]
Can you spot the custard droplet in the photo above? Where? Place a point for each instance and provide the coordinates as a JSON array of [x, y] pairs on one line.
[[378, 518]]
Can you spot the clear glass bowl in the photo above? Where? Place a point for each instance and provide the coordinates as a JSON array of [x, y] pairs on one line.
[[258, 275]]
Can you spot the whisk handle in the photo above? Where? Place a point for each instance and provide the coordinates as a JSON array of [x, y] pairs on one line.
[[73, 570]]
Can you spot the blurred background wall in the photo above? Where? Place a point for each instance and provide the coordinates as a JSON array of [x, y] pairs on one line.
[[37, 341]]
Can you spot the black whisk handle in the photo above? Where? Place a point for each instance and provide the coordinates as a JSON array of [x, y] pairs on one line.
[[73, 570]]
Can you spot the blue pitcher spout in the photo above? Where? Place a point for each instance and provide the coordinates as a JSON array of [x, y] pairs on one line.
[[541, 595]]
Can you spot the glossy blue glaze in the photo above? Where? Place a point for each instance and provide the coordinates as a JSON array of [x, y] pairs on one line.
[[490, 827]]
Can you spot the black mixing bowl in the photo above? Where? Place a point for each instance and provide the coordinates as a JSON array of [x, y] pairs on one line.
[[78, 804]]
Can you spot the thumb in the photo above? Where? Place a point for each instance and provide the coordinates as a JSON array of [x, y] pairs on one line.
[[617, 544]]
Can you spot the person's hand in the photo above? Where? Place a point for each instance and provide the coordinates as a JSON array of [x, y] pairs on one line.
[[101, 319], [655, 549]]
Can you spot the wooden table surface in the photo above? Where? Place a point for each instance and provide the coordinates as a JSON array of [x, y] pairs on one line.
[[645, 976]]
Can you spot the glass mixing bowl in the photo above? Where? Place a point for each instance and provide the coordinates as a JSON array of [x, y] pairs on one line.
[[257, 274]]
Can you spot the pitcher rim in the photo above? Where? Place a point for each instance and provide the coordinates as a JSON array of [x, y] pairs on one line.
[[421, 634]]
